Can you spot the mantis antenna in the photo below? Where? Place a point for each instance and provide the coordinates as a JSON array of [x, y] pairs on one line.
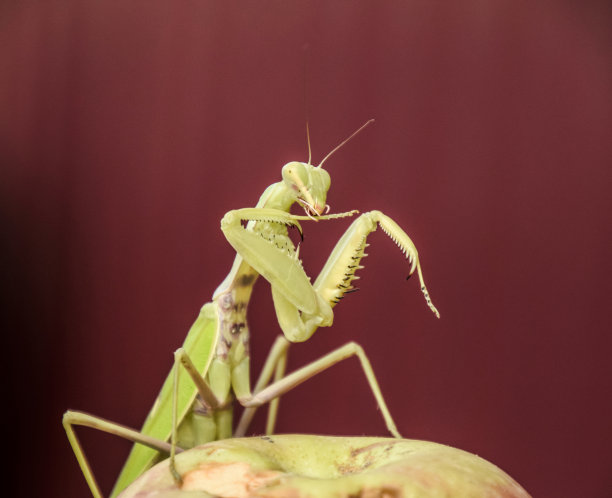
[[308, 141], [339, 145], [305, 53]]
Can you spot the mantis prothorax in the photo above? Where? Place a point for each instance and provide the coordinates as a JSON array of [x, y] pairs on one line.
[[215, 353]]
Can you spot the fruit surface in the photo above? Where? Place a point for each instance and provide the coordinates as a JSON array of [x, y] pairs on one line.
[[300, 466]]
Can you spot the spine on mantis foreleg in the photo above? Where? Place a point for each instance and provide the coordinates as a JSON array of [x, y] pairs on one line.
[[335, 280], [402, 240]]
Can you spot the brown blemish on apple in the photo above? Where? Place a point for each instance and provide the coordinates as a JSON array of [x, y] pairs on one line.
[[233, 479], [349, 468], [380, 492], [389, 444], [353, 467]]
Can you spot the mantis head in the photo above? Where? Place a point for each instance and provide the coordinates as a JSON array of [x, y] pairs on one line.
[[310, 184]]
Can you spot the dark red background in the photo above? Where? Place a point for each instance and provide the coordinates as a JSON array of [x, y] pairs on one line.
[[128, 128]]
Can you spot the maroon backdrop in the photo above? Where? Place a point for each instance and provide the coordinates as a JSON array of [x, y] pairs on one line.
[[129, 128]]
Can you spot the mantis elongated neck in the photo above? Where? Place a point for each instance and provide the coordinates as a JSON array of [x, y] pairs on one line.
[[277, 196]]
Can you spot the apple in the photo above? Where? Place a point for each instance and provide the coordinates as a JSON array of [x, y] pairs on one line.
[[296, 466]]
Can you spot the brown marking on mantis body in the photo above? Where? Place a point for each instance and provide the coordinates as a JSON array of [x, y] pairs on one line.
[[236, 328], [246, 280]]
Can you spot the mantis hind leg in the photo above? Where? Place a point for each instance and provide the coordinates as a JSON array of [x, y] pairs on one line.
[[72, 418], [280, 387]]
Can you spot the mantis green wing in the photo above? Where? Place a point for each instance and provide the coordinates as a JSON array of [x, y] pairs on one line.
[[200, 345]]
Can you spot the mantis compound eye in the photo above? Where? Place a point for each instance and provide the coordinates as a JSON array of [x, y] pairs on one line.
[[295, 174]]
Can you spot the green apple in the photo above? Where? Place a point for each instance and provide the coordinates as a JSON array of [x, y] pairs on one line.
[[299, 466]]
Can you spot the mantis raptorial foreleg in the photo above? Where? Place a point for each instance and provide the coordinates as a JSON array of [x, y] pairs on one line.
[[334, 280], [272, 256], [302, 307]]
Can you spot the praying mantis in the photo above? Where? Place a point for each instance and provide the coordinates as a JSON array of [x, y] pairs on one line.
[[215, 353]]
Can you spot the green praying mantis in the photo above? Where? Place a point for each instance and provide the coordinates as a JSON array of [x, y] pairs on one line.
[[215, 353]]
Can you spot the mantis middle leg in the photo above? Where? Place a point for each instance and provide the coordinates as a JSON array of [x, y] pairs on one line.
[[276, 363], [272, 392]]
